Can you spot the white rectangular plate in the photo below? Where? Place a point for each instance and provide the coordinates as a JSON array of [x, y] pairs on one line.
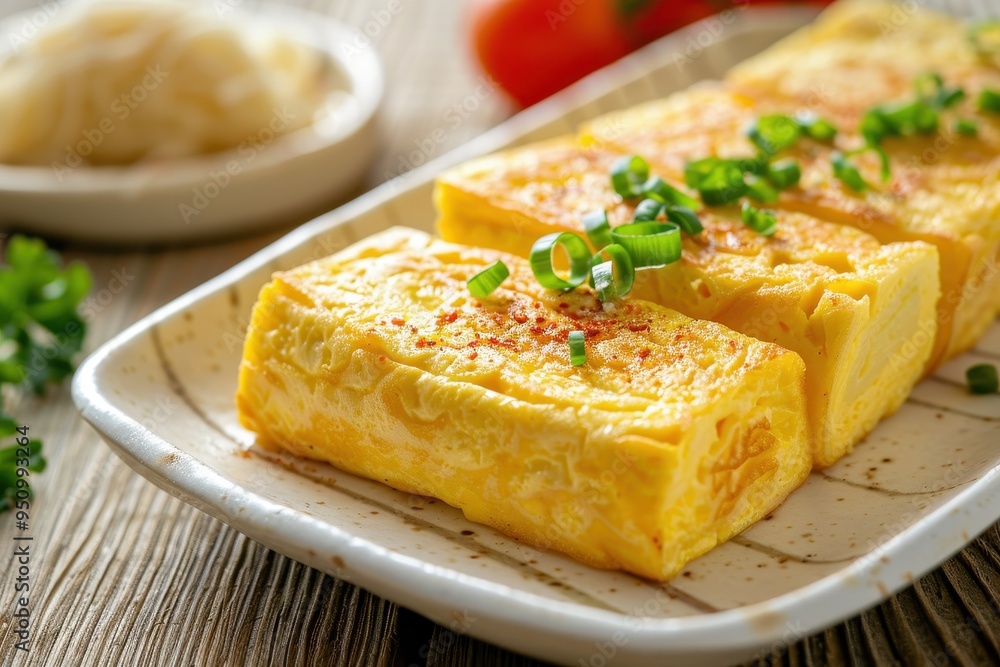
[[920, 488]]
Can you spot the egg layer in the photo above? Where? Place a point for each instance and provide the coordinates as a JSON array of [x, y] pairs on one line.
[[675, 435], [861, 314]]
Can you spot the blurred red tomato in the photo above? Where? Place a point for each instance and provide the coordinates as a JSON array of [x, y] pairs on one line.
[[534, 48]]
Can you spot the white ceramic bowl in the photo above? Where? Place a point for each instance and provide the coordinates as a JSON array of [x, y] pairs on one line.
[[183, 200]]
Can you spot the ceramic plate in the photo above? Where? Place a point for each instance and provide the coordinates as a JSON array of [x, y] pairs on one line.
[[264, 181], [922, 486]]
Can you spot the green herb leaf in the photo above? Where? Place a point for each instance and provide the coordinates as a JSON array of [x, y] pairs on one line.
[[40, 334], [577, 348], [657, 188], [718, 181], [966, 127], [774, 133], [628, 175], [9, 460], [761, 190], [982, 379], [847, 172], [486, 281], [815, 127], [784, 174], [762, 221], [989, 100]]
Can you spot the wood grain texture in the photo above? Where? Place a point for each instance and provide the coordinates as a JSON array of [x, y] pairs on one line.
[[124, 574]]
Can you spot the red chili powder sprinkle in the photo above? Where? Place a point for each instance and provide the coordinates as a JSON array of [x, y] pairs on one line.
[[473, 355], [520, 318], [635, 328], [398, 321], [643, 353]]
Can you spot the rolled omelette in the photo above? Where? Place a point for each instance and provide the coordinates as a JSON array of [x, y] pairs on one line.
[[944, 187], [861, 314], [675, 434]]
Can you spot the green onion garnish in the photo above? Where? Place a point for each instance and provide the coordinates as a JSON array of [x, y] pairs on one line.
[[884, 161], [718, 181], [685, 218], [966, 127], [579, 260], [784, 174], [612, 278], [931, 89], [761, 190], [982, 379], [657, 188], [762, 221], [648, 210], [775, 133], [598, 230], [577, 348], [815, 127], [628, 175], [847, 172], [649, 243], [485, 282], [989, 100]]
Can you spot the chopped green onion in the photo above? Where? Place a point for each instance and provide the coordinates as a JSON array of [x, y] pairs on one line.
[[598, 230], [760, 190], [886, 165], [762, 221], [784, 174], [989, 100], [613, 278], [648, 210], [982, 379], [628, 175], [898, 120], [657, 188], [649, 243], [874, 128], [966, 127], [847, 172], [579, 260], [775, 133], [931, 89], [685, 218], [928, 84], [753, 165], [577, 348], [815, 127], [718, 181], [485, 282]]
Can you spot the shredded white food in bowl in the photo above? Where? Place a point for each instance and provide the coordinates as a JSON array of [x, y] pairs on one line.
[[113, 83]]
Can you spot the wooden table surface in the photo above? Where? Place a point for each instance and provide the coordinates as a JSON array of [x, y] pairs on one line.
[[124, 574]]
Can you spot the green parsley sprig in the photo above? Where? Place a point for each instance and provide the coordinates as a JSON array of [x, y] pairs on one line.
[[40, 333]]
